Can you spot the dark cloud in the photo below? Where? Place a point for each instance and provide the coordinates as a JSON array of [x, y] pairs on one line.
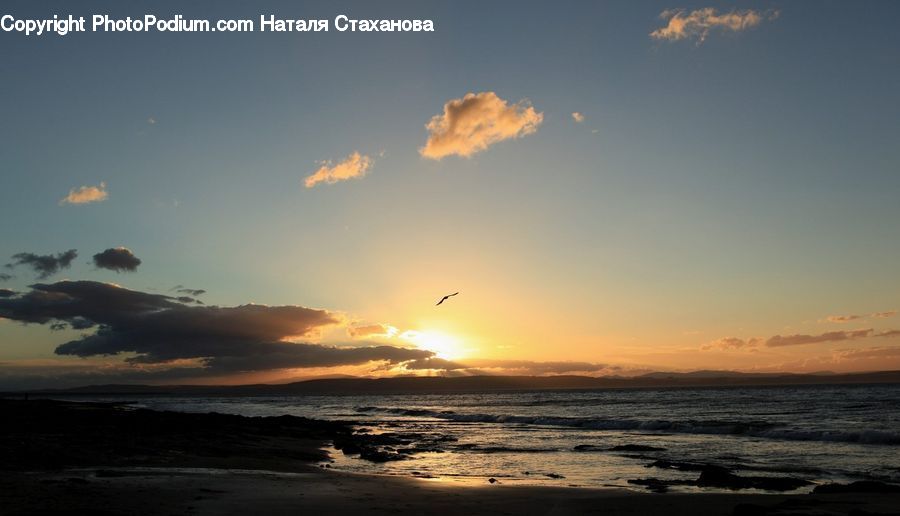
[[158, 329], [5, 277], [191, 291], [66, 301], [119, 259], [44, 265], [831, 336], [281, 355], [5, 292]]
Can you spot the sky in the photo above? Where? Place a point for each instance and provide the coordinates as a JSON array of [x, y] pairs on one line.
[[611, 187]]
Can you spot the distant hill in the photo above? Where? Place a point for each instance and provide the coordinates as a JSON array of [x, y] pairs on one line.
[[488, 384]]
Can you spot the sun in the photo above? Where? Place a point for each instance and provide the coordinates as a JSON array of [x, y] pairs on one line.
[[442, 345]]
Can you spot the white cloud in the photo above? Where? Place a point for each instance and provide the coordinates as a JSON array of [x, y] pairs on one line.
[[473, 123], [86, 194], [698, 23], [354, 165]]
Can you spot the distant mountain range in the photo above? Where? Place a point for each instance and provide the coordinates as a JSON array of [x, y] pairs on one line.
[[419, 384]]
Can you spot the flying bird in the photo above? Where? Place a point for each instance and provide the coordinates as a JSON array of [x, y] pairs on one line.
[[448, 296]]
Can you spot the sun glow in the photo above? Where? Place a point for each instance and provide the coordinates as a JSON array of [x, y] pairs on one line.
[[444, 346]]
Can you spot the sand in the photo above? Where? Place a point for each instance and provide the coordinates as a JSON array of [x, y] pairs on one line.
[[162, 491]]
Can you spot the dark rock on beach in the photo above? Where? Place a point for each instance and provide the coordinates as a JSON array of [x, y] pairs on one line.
[[47, 435], [654, 484], [390, 446], [719, 477], [678, 465], [716, 476]]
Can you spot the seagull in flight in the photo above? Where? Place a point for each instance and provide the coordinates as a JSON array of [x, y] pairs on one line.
[[448, 296]]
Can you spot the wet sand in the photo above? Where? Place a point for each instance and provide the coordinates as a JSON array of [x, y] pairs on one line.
[[205, 492], [98, 459]]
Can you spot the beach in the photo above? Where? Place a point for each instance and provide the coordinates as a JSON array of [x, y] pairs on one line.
[[110, 459], [212, 492]]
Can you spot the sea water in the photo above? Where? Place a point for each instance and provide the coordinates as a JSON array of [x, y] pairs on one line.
[[819, 433]]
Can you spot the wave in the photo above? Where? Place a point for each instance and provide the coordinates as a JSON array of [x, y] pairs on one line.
[[759, 429]]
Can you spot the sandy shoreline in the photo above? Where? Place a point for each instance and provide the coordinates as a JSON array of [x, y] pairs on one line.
[[166, 491], [102, 459]]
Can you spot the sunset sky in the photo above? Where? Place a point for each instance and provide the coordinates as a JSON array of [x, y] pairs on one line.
[[612, 188]]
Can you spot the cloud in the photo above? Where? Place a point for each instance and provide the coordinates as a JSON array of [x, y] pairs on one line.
[[473, 123], [734, 343], [831, 336], [181, 289], [434, 363], [45, 265], [847, 318], [192, 291], [864, 353], [5, 277], [283, 355], [577, 117], [86, 194], [354, 165], [529, 367], [726, 343], [5, 292], [843, 318], [698, 23], [119, 259], [371, 330], [159, 329], [511, 367]]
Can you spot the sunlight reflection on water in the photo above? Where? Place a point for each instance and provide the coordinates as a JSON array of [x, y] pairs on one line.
[[819, 433]]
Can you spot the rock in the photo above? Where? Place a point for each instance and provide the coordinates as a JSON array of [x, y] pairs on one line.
[[680, 466], [586, 448], [351, 449], [493, 480], [717, 476], [863, 486], [653, 484], [376, 455], [553, 475]]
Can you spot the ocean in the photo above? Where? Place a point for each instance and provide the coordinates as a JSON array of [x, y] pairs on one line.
[[606, 438]]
